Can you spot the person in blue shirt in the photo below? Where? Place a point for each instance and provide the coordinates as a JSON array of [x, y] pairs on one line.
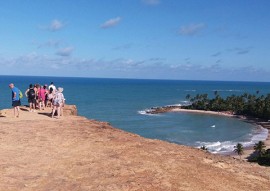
[[16, 102]]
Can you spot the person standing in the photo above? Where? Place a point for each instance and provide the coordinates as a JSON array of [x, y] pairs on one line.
[[58, 102], [52, 86], [42, 96], [31, 95], [16, 102]]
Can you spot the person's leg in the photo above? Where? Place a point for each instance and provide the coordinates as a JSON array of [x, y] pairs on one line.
[[53, 111], [18, 109], [34, 105], [43, 104], [61, 110], [14, 111], [58, 111], [30, 106]]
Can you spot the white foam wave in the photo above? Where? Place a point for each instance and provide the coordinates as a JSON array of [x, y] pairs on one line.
[[177, 105], [190, 90], [145, 112], [262, 134], [217, 147], [228, 146], [227, 90]]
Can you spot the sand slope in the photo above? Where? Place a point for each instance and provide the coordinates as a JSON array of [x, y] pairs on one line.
[[74, 153]]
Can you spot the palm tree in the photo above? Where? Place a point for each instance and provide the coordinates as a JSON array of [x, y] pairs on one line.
[[188, 96], [204, 148], [239, 149], [216, 92], [259, 147]]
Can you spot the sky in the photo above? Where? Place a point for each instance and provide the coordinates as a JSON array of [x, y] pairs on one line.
[[142, 39]]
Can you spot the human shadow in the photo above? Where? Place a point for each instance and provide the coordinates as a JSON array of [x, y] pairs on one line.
[[23, 109], [45, 113]]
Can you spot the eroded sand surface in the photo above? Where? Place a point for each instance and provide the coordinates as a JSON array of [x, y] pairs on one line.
[[74, 153]]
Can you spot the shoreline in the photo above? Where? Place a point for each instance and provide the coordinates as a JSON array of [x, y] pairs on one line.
[[38, 152], [248, 151]]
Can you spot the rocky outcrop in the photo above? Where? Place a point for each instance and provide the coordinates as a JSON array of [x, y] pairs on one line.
[[163, 109], [38, 152], [70, 110]]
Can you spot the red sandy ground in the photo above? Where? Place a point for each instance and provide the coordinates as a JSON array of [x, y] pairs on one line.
[[74, 153]]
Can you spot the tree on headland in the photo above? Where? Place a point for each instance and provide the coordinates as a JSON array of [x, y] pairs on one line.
[[259, 147], [188, 96], [253, 105], [239, 149]]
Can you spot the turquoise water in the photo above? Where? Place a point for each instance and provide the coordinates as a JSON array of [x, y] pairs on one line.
[[122, 103]]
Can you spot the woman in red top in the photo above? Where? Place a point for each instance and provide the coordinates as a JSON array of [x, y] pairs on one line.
[[42, 95]]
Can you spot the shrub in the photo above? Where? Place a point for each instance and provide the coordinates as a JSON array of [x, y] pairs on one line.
[[264, 160]]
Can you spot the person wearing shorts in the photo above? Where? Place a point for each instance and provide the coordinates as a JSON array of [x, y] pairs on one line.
[[31, 95], [16, 102]]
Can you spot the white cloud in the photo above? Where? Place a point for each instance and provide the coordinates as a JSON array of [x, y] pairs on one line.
[[151, 2], [65, 51], [126, 68], [111, 23], [192, 29], [55, 25]]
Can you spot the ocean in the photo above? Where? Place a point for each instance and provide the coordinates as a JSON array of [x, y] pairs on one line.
[[123, 102]]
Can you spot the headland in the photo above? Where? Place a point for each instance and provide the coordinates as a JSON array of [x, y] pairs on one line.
[[38, 152]]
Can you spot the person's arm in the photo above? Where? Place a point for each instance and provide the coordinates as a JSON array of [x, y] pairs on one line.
[[26, 92]]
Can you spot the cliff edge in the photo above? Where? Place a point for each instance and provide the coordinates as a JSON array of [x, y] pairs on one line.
[[38, 152]]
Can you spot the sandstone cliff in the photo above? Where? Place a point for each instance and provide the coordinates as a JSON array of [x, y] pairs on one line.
[[74, 153]]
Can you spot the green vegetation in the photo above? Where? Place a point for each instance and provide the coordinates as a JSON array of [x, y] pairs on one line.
[[247, 104], [251, 105], [239, 149], [263, 156], [204, 148], [259, 147]]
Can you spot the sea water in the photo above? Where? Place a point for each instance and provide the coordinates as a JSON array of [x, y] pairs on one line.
[[123, 102]]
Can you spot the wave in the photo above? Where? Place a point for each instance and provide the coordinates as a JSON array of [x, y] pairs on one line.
[[228, 146], [261, 135], [147, 112], [227, 90], [217, 147]]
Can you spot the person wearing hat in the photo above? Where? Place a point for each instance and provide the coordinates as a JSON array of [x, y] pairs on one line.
[[58, 102]]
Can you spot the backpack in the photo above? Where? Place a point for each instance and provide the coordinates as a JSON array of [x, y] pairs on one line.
[[20, 95], [31, 94]]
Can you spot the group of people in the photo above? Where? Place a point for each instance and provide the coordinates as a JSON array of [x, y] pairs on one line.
[[39, 97]]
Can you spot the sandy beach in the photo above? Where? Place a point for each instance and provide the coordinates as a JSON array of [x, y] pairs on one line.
[[248, 150]]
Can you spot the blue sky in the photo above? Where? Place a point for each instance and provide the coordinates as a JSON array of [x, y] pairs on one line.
[[156, 39]]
